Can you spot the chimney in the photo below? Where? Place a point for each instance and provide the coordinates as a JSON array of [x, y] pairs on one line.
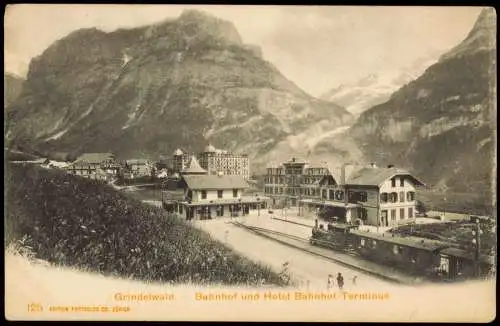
[[373, 165], [345, 172], [390, 166]]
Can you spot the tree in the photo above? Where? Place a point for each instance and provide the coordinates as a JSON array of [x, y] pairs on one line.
[[421, 208]]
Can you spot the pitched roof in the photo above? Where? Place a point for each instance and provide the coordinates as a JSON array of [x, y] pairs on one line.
[[325, 178], [296, 160], [138, 161], [215, 182], [376, 176], [178, 152], [95, 157], [194, 167]]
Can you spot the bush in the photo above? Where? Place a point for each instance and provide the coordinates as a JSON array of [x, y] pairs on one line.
[[87, 224]]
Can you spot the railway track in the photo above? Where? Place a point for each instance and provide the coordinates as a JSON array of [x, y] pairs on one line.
[[259, 229], [303, 244]]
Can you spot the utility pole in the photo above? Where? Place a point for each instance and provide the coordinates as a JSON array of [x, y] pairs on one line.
[[444, 208], [258, 206], [477, 244]]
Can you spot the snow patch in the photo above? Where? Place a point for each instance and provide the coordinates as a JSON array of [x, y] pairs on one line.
[[482, 143], [442, 125], [131, 117], [214, 131], [452, 98], [58, 135], [86, 113], [126, 58], [423, 93]]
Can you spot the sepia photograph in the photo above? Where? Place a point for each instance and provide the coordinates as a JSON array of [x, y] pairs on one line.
[[250, 163]]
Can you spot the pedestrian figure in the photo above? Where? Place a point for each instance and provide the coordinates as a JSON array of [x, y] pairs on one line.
[[340, 281], [330, 283], [284, 274], [354, 280]]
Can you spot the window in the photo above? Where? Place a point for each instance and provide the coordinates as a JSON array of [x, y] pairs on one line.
[[393, 181], [402, 182], [401, 213], [393, 214], [410, 196], [203, 194], [402, 196], [323, 194], [235, 193], [220, 193], [393, 197], [331, 194], [362, 243], [374, 244], [363, 196], [384, 197], [444, 264], [396, 249], [410, 212], [339, 195]]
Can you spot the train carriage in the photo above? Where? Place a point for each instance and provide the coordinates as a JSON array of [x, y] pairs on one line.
[[415, 255], [433, 259]]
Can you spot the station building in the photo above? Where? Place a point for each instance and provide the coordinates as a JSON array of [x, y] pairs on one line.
[[201, 196]]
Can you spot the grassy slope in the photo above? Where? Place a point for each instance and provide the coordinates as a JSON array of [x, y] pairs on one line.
[[86, 224]]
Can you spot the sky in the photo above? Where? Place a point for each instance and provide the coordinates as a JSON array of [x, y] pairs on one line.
[[317, 47]]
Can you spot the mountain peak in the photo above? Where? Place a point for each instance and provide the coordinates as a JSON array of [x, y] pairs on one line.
[[198, 21], [486, 19], [480, 38], [195, 14]]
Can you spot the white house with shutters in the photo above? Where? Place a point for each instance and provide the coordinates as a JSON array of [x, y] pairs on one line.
[[371, 195]]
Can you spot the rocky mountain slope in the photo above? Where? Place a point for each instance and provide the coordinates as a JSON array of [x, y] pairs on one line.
[[149, 90], [443, 124], [12, 87], [376, 89]]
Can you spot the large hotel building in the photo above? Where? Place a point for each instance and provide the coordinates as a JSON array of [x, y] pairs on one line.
[[215, 161], [381, 196]]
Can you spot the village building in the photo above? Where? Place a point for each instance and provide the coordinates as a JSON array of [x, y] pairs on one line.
[[180, 160], [162, 174], [203, 196], [294, 180], [98, 166], [139, 168], [217, 161], [379, 196]]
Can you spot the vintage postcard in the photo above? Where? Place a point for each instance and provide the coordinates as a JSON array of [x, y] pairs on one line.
[[250, 163]]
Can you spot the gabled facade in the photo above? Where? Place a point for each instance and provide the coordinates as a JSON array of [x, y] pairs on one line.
[[101, 166], [212, 196], [369, 195], [294, 180], [139, 167]]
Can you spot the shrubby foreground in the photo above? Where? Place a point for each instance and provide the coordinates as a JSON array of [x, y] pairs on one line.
[[70, 221]]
